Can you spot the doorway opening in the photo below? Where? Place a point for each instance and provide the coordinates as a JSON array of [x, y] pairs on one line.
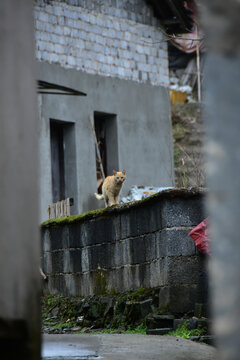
[[63, 160], [107, 141]]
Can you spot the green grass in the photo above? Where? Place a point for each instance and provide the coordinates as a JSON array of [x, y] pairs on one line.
[[140, 329], [64, 325], [184, 332], [105, 331]]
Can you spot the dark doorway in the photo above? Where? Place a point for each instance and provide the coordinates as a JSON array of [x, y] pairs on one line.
[[106, 134], [57, 161]]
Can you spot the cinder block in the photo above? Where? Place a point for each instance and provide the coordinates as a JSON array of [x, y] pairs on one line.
[[85, 259], [67, 263], [116, 26], [57, 258], [144, 76], [85, 287], [158, 272], [69, 22], [178, 299], [41, 45], [71, 60], [45, 56], [150, 247], [182, 212], [60, 20], [144, 275], [59, 237], [59, 30], [58, 282], [74, 234], [130, 277], [100, 21], [43, 16], [62, 59], [58, 10], [72, 284], [47, 263], [100, 257], [75, 261], [52, 19], [142, 220], [81, 3], [184, 270], [59, 49], [50, 47], [99, 39], [39, 25], [137, 250], [54, 38], [175, 242], [117, 279], [53, 58]]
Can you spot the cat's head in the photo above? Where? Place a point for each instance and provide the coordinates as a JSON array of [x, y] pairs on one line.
[[119, 177]]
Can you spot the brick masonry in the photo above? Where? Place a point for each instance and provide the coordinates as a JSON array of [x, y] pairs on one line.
[[145, 244], [110, 38]]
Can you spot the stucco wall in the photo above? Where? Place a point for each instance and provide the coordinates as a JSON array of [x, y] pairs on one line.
[[110, 38], [143, 138], [116, 53], [144, 244]]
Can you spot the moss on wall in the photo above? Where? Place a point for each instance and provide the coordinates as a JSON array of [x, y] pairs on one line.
[[116, 209], [100, 281]]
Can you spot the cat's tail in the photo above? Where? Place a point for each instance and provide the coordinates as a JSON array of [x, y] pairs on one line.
[[99, 196]]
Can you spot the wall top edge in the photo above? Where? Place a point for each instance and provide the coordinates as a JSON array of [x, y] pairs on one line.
[[177, 193]]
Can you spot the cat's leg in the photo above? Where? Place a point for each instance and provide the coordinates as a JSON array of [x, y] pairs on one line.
[[106, 200], [116, 202], [111, 200]]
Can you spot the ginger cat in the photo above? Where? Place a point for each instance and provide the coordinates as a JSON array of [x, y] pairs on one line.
[[111, 188]]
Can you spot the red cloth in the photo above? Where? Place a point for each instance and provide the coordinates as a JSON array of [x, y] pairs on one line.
[[200, 236]]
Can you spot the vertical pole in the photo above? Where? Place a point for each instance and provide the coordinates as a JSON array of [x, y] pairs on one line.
[[97, 147], [198, 70], [222, 109], [19, 234]]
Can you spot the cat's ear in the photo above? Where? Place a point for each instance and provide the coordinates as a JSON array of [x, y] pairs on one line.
[[114, 172], [124, 171]]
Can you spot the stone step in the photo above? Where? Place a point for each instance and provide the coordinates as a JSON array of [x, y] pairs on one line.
[[207, 339], [161, 331], [159, 321]]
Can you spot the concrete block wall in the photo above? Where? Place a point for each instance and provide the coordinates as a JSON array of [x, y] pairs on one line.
[[111, 38], [143, 244]]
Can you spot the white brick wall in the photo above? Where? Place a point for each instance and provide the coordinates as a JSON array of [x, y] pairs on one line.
[[100, 44]]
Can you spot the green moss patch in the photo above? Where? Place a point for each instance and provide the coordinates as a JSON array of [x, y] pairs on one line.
[[115, 209]]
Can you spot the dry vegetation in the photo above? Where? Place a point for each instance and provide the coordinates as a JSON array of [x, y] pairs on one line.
[[188, 136]]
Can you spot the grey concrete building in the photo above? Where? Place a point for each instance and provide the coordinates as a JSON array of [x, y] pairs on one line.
[[116, 53]]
